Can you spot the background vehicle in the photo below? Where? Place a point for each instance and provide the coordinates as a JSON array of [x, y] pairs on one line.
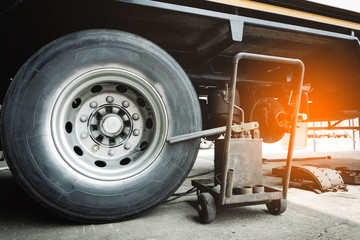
[[85, 120]]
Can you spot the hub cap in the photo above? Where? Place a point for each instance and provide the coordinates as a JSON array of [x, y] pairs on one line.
[[111, 125]]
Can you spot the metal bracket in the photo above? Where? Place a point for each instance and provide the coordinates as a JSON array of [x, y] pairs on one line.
[[245, 127], [237, 29]]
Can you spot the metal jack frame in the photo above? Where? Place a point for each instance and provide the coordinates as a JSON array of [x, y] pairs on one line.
[[209, 194]]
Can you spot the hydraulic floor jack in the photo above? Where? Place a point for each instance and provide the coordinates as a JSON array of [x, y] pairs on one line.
[[238, 161]]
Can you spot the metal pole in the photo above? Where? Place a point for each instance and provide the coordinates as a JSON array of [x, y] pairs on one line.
[[358, 123], [314, 139], [211, 132], [231, 104], [195, 135], [293, 128], [353, 131]]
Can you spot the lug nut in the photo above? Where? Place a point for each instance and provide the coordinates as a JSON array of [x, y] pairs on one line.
[[136, 132], [125, 104], [93, 104], [95, 148], [127, 146], [111, 152], [135, 116], [83, 118], [84, 135], [109, 99]]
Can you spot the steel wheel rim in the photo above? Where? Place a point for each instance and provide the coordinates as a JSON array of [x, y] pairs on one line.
[[109, 124]]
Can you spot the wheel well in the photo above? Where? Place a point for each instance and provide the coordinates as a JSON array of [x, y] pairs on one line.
[[196, 46]]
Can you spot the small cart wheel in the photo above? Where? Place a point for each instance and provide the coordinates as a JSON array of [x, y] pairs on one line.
[[206, 208], [277, 207]]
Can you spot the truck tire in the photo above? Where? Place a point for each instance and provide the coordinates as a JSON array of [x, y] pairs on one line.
[[85, 123]]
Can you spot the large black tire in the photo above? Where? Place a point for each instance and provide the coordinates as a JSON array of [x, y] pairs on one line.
[[88, 84]]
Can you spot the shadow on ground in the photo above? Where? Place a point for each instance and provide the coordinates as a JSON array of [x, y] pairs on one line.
[[308, 216], [17, 205]]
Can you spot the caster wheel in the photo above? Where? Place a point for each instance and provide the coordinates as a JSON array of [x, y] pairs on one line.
[[277, 207], [206, 208]]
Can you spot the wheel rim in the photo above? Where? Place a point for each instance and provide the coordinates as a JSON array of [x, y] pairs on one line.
[[109, 124]]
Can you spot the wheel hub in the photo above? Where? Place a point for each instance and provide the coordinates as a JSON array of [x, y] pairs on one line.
[[111, 125]]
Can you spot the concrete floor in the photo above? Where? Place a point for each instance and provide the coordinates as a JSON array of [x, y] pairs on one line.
[[331, 215]]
